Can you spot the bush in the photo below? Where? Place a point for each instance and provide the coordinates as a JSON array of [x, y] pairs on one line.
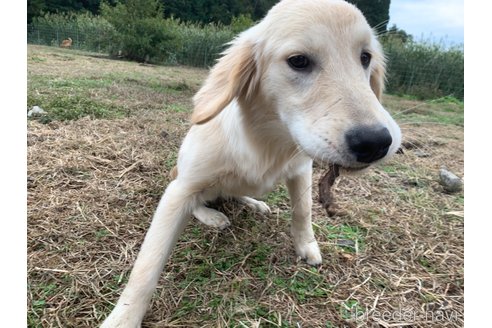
[[140, 31], [424, 69], [200, 46], [241, 23]]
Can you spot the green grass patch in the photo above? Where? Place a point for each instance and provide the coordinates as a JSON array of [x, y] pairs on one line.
[[73, 107], [280, 198], [188, 306], [66, 99], [41, 294], [445, 110], [117, 281], [37, 59], [173, 87], [460, 199], [442, 117], [393, 169], [351, 309], [80, 83], [345, 237], [304, 285], [101, 233], [177, 108], [108, 96]]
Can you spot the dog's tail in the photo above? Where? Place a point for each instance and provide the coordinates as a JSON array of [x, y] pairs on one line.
[[169, 220]]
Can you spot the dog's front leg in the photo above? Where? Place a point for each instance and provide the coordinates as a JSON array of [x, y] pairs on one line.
[[168, 222], [301, 201]]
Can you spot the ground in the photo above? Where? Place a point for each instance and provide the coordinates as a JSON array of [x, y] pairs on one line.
[[98, 163]]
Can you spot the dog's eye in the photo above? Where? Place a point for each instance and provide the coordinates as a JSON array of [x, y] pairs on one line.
[[365, 59], [299, 62]]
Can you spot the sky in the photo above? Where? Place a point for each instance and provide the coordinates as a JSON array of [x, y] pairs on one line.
[[430, 20]]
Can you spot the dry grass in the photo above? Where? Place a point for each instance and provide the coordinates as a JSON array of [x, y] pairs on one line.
[[393, 255]]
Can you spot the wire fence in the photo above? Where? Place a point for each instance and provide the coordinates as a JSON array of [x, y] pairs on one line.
[[424, 70], [95, 41], [194, 47]]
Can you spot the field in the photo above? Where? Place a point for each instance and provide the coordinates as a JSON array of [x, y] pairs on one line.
[[98, 162]]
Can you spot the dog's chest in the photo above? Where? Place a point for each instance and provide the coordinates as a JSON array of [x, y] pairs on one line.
[[257, 181]]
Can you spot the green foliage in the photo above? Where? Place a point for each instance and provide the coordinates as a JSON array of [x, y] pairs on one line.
[[137, 30], [140, 31], [198, 11], [36, 8], [202, 11], [375, 11], [219, 12], [394, 34], [241, 23], [87, 31], [199, 45], [423, 69]]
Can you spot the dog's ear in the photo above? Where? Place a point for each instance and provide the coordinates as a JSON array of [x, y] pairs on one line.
[[234, 75], [378, 78]]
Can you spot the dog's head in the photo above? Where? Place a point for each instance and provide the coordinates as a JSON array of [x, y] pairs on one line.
[[318, 66]]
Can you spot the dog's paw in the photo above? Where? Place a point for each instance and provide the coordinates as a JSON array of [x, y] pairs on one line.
[[256, 205], [211, 217], [309, 252], [218, 220]]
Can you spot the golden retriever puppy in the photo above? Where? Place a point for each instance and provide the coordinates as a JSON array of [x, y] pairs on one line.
[[303, 84]]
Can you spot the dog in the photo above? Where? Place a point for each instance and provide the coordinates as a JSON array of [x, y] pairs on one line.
[[302, 85], [66, 43]]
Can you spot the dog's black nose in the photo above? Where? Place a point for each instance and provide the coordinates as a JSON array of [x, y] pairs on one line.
[[368, 143]]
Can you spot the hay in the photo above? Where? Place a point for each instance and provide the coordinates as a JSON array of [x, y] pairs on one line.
[[395, 248], [93, 186], [91, 183]]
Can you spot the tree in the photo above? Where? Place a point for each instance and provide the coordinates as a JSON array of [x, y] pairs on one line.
[[376, 12], [208, 11], [34, 9], [37, 8], [396, 34], [203, 11]]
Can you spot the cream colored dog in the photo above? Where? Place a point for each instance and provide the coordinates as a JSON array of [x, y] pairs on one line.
[[67, 43], [304, 84]]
